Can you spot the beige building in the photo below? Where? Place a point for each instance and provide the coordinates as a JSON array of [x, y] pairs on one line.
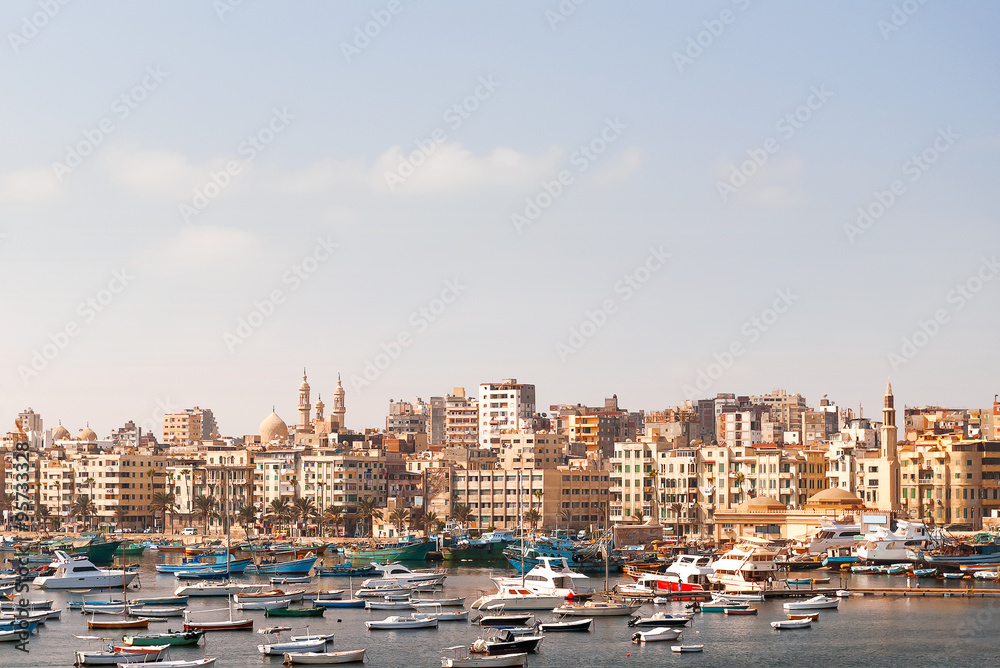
[[194, 424], [766, 517]]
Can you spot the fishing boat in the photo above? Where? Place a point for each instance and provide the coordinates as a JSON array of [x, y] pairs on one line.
[[565, 626], [201, 574], [161, 600], [344, 570], [488, 547], [738, 598], [325, 658], [924, 572], [786, 624], [388, 604], [270, 595], [132, 550], [684, 649], [953, 576], [81, 573], [311, 611], [722, 606], [445, 616], [398, 622], [25, 604], [173, 638], [467, 661], [660, 634], [736, 612], [597, 609], [503, 641], [206, 563], [407, 548], [124, 622], [455, 601], [815, 603], [864, 569], [292, 567], [661, 619]]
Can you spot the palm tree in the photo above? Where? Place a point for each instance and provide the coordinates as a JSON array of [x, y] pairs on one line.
[[368, 512], [461, 513], [120, 514], [399, 517], [537, 496], [246, 515], [416, 518], [279, 511], [83, 507], [676, 508], [162, 503], [187, 477], [90, 481], [205, 506], [637, 516], [303, 509], [739, 479], [532, 517], [429, 520], [563, 514], [43, 515], [334, 516]]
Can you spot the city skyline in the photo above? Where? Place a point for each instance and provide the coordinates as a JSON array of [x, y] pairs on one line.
[[661, 203]]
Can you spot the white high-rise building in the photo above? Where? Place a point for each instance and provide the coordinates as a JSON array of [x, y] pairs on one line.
[[502, 406]]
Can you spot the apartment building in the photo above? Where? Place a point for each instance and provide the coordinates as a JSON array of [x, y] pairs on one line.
[[194, 424], [407, 417], [126, 481], [501, 407]]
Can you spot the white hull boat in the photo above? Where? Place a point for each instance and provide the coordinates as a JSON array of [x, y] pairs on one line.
[[218, 589], [325, 658], [388, 605], [444, 602], [155, 612], [293, 646], [814, 603], [398, 575], [683, 649], [268, 596], [192, 663], [517, 659], [597, 609], [660, 634], [397, 622], [262, 605], [516, 598], [81, 573], [786, 624]]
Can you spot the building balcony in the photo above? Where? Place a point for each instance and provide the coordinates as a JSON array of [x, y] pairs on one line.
[[925, 481]]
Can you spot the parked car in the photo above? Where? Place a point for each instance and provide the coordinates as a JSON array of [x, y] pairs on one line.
[[189, 531]]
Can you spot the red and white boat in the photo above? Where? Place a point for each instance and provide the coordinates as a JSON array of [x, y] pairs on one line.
[[688, 572]]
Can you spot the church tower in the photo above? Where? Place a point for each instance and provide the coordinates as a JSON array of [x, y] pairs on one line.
[[339, 409], [305, 409]]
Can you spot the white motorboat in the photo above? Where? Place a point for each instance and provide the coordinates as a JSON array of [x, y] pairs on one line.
[[815, 603], [662, 619], [597, 609], [292, 646], [658, 634], [688, 572], [551, 577], [518, 598], [325, 658], [785, 624], [467, 661], [80, 573], [747, 566], [218, 589], [398, 575], [395, 622], [883, 546], [833, 534]]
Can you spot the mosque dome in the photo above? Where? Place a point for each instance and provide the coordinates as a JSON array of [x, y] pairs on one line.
[[273, 428], [87, 434], [60, 433]]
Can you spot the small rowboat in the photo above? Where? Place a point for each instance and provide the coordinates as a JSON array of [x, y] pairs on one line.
[[325, 658], [513, 659], [814, 617], [262, 605], [575, 625], [953, 576], [290, 579], [222, 625], [141, 623], [414, 621], [737, 611], [924, 572], [341, 603], [181, 663], [313, 611], [156, 612], [686, 648], [791, 624]]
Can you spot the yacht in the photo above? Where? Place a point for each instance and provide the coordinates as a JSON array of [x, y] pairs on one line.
[[688, 572], [516, 597], [748, 566], [398, 575], [883, 546], [81, 573], [833, 534], [552, 576]]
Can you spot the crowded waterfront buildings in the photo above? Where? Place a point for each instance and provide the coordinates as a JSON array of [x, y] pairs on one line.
[[495, 460]]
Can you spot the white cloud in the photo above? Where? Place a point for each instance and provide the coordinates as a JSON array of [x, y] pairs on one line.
[[152, 170], [27, 185], [775, 185], [207, 246], [624, 166]]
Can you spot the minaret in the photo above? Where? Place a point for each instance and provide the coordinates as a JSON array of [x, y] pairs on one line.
[[304, 407], [339, 409], [319, 407], [889, 425]]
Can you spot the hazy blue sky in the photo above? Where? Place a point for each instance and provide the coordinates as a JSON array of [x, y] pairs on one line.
[[119, 117]]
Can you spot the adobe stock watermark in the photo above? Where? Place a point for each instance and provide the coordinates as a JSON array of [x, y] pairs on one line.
[[419, 321], [121, 108], [786, 127], [249, 149], [914, 168], [364, 34], [899, 17], [454, 116], [624, 289], [88, 310], [224, 7], [750, 332], [293, 278], [956, 299], [704, 39], [562, 12], [581, 158], [32, 25]]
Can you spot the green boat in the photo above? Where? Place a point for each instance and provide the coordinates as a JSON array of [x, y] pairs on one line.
[[102, 553], [174, 639], [403, 550], [314, 611], [133, 550]]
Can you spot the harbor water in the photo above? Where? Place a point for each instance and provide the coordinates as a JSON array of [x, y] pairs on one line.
[[866, 631]]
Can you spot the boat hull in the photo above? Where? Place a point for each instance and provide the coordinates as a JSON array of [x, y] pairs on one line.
[[407, 552], [324, 658]]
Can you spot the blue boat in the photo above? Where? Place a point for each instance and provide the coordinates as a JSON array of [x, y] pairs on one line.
[[584, 558], [4, 628], [214, 562], [293, 567]]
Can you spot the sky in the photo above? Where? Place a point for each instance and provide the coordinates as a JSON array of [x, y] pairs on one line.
[[656, 200]]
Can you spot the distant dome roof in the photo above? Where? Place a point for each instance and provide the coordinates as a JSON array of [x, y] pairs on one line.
[[760, 504], [87, 434], [60, 433], [835, 495], [273, 428]]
